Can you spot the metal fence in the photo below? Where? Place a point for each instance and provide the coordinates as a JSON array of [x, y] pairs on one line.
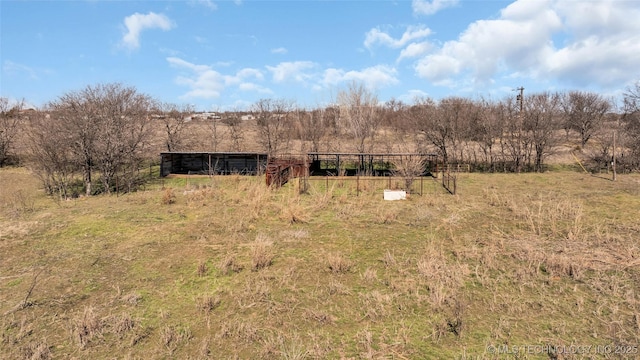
[[357, 185]]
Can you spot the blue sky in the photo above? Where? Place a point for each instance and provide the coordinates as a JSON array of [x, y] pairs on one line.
[[225, 55]]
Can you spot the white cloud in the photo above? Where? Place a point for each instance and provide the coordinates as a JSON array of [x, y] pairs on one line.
[[520, 39], [333, 77], [292, 71], [279, 50], [12, 68], [205, 82], [604, 62], [255, 88], [592, 43], [426, 7], [414, 50], [137, 22], [377, 36], [249, 73], [206, 3], [374, 77]]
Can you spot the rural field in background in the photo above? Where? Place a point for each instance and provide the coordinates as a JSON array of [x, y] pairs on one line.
[[224, 267]]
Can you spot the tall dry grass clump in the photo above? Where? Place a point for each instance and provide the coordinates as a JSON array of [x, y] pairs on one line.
[[293, 212], [254, 196], [206, 303], [229, 265], [168, 197], [338, 263], [443, 278], [86, 326], [38, 350], [172, 336], [261, 253]]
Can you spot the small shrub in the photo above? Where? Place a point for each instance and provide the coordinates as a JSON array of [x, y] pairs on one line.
[[202, 269], [168, 337], [229, 265], [389, 260], [123, 324], [338, 264], [207, 303], [86, 327], [293, 350], [171, 336], [36, 351], [370, 275], [454, 322]]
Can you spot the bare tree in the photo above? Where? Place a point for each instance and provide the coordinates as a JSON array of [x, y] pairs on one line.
[[234, 126], [602, 153], [584, 112], [442, 124], [486, 129], [216, 131], [394, 124], [123, 132], [409, 167], [273, 118], [456, 114], [631, 120], [174, 121], [515, 145], [52, 156], [9, 121], [541, 120], [423, 119], [106, 127], [359, 114], [392, 115], [313, 126], [76, 114], [632, 100]]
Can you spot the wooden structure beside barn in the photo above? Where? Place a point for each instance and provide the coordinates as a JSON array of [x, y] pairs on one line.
[[281, 170], [212, 163]]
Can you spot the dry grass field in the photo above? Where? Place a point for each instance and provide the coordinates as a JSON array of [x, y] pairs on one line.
[[225, 268]]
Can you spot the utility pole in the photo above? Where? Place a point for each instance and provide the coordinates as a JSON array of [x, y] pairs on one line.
[[613, 162], [520, 97]]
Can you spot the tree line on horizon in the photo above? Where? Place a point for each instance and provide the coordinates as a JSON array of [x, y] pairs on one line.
[[96, 140]]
